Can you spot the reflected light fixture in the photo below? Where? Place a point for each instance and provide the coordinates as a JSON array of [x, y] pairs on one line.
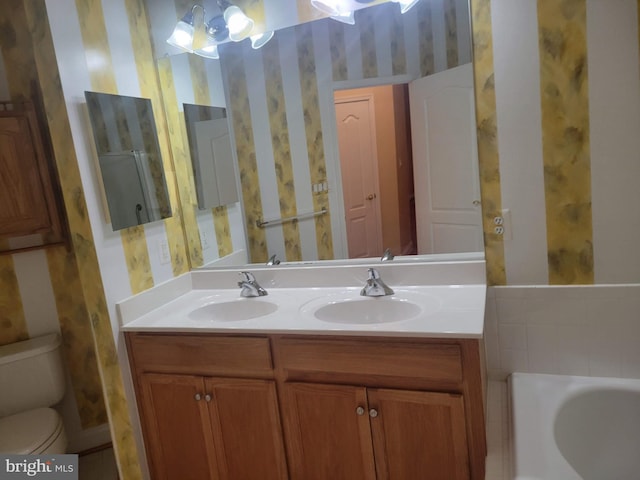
[[209, 51], [330, 7], [347, 17], [259, 39], [405, 5], [336, 9]]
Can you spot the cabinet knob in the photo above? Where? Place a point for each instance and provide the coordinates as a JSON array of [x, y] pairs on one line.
[[198, 397], [360, 410], [373, 413], [207, 397]]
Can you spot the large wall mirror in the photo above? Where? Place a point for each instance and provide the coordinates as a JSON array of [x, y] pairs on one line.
[[129, 158], [321, 120]]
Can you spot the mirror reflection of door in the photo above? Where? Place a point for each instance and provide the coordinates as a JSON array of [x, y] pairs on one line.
[[374, 146], [447, 187], [359, 166], [383, 164]]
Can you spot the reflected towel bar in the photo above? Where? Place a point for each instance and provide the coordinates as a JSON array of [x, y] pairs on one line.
[[279, 221]]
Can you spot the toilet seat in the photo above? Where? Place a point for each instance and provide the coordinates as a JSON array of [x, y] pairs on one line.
[[32, 432]]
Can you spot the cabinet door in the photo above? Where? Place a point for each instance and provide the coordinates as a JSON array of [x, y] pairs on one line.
[[328, 437], [176, 427], [246, 428], [22, 198], [418, 435]]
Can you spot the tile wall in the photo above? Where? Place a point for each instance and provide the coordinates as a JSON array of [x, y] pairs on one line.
[[571, 330]]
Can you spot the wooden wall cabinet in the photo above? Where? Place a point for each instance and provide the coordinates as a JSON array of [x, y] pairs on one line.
[[29, 201], [350, 408]]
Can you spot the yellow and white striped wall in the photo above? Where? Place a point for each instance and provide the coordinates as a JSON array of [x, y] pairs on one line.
[[40, 290], [558, 116]]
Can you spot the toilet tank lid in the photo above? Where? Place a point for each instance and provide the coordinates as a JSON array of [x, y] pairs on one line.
[[28, 348]]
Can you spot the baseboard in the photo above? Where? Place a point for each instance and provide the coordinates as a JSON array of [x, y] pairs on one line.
[[91, 438], [91, 450]]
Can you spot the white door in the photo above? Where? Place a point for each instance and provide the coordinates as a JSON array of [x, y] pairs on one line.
[[445, 162], [359, 166]]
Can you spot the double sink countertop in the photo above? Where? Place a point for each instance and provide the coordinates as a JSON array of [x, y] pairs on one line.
[[431, 299]]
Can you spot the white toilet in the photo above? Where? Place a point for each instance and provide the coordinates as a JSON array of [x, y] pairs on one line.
[[31, 379]]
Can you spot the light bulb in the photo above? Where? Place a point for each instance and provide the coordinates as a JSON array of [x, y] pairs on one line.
[[260, 39], [209, 51], [405, 5], [348, 18], [182, 36], [239, 24], [330, 7]]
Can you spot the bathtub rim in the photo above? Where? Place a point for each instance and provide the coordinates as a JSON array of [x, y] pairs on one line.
[[533, 453]]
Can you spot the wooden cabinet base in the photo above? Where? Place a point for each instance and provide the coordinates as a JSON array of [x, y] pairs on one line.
[[351, 408]]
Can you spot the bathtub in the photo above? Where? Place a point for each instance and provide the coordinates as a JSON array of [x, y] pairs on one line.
[[574, 428]]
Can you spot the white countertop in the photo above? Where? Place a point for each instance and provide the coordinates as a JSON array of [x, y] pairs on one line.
[[451, 310]]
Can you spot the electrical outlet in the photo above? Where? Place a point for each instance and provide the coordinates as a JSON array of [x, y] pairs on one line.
[[498, 230], [205, 240], [506, 224], [498, 220], [163, 252]]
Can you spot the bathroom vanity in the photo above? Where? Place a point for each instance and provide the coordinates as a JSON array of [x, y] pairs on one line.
[[292, 393]]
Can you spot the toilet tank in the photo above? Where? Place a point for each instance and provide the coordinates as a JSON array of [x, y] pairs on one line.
[[31, 374]]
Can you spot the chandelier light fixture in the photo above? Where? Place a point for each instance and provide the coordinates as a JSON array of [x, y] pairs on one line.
[[193, 35]]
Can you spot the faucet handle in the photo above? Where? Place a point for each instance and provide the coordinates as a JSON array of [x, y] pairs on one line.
[[273, 260], [387, 255], [247, 277], [373, 274]]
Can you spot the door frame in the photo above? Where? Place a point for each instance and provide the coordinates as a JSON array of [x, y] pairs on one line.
[[374, 162], [332, 155]]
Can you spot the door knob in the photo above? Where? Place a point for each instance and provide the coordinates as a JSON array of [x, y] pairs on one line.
[[371, 196], [207, 397], [198, 397], [373, 413], [360, 410], [476, 202]]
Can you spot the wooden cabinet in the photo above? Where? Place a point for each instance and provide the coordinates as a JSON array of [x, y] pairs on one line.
[[326, 437], [393, 409], [204, 427], [176, 425], [418, 435], [351, 408], [28, 197]]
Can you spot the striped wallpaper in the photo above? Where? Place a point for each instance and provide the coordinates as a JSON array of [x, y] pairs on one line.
[[558, 116], [31, 303], [280, 100]]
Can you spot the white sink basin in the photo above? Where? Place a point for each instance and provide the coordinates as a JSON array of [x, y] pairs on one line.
[[358, 310], [234, 310]]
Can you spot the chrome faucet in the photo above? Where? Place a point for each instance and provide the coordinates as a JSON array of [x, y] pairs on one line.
[[375, 287], [387, 255], [250, 287], [273, 260]]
